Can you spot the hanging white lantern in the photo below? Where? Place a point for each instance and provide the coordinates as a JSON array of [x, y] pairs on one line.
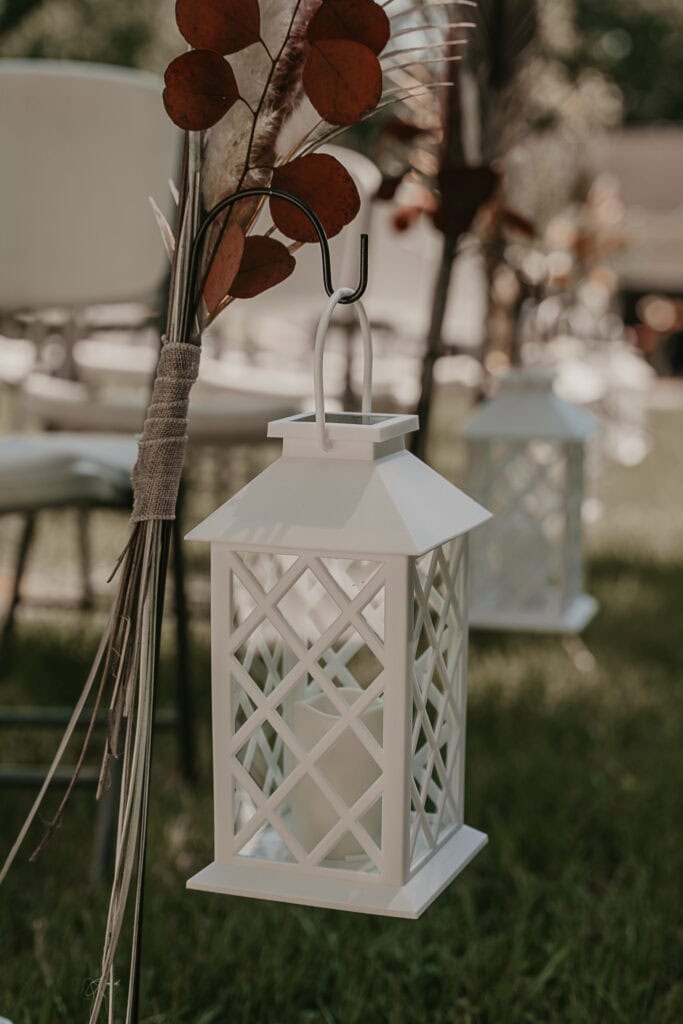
[[339, 652], [526, 463]]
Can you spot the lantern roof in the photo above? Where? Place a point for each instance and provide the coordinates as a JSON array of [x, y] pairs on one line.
[[364, 493], [527, 408]]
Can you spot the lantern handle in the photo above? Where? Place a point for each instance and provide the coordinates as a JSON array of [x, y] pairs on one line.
[[340, 295]]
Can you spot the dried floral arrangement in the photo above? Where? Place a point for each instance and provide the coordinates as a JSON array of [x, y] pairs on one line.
[[454, 164], [298, 74], [264, 83]]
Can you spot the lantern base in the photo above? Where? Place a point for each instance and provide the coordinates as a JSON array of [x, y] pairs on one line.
[[260, 880], [573, 620]]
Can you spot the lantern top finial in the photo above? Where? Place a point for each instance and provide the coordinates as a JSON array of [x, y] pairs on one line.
[[527, 408]]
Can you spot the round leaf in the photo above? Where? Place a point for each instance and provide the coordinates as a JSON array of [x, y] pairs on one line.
[[361, 21], [200, 89], [463, 191], [401, 130], [328, 188], [224, 267], [343, 80], [265, 263], [225, 26], [390, 185], [517, 222]]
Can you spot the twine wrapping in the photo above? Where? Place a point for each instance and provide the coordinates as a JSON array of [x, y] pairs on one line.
[[161, 449]]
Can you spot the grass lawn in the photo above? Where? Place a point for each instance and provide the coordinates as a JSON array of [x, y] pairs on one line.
[[573, 913]]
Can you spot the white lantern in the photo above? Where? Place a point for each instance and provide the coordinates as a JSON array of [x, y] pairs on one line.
[[525, 463], [339, 653]]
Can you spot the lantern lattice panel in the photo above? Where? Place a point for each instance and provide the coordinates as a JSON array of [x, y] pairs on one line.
[[523, 558], [574, 540], [439, 646], [306, 666]]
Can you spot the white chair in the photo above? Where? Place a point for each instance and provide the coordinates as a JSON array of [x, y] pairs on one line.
[[81, 234], [58, 471], [83, 147], [240, 416], [78, 232], [403, 270], [645, 163]]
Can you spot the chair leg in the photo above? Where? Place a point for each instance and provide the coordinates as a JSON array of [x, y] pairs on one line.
[[25, 541], [85, 560], [184, 702]]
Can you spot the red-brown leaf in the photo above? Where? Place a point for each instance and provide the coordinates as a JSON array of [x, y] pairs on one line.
[[390, 185], [361, 21], [463, 191], [200, 89], [402, 130], [405, 216], [515, 221], [328, 188], [225, 26], [343, 80], [224, 267], [265, 263]]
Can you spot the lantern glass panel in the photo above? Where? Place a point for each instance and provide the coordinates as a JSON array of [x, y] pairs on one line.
[[306, 663], [439, 646]]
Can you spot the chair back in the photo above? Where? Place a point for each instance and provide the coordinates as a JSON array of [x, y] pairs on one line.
[[404, 266], [83, 147], [646, 161]]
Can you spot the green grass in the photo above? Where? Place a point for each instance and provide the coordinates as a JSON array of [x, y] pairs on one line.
[[573, 913]]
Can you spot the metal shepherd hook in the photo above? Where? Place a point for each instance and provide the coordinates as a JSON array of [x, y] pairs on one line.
[[187, 314], [249, 193]]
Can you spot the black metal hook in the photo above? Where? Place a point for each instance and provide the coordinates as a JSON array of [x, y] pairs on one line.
[[248, 193]]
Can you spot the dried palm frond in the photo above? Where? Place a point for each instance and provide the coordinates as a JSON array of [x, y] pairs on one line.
[[453, 162], [505, 33]]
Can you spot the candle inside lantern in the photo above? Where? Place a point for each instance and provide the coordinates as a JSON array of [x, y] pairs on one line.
[[347, 765]]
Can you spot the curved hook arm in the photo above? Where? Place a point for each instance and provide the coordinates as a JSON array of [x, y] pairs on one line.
[[248, 193]]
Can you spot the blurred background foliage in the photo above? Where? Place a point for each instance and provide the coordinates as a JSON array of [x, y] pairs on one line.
[[136, 33], [638, 44], [616, 58]]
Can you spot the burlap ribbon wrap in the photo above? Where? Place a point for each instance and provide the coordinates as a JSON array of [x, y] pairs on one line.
[[161, 449]]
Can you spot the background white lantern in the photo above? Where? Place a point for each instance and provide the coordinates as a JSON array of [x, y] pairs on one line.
[[339, 653], [526, 463]]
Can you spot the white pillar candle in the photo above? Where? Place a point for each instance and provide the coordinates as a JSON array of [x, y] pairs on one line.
[[347, 765]]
